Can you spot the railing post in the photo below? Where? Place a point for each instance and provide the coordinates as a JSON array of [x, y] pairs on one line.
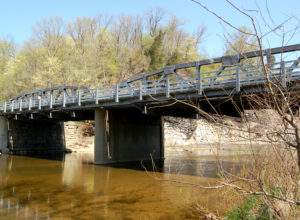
[[4, 108], [269, 59], [238, 82], [181, 86], [73, 95], [168, 88], [117, 94], [64, 98], [96, 98], [40, 102], [26, 101], [283, 74], [44, 98], [155, 89], [21, 103], [141, 91], [30, 103], [51, 99], [79, 98], [199, 80], [12, 105], [132, 91]]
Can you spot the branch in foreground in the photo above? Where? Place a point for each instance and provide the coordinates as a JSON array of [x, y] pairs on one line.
[[261, 194], [222, 19]]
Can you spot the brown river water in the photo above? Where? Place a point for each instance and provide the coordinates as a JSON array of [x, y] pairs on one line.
[[71, 187]]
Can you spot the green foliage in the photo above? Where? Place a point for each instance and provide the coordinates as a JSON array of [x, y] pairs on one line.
[[253, 209], [174, 58], [155, 52], [7, 52], [93, 51]]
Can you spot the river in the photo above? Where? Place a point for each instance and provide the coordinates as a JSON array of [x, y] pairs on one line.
[[71, 187]]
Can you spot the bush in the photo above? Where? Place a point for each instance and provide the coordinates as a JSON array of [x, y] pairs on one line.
[[253, 209]]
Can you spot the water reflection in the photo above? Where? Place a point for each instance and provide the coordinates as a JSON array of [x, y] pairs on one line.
[[35, 188], [203, 166]]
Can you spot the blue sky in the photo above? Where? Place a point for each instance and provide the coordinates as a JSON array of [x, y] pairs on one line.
[[18, 17]]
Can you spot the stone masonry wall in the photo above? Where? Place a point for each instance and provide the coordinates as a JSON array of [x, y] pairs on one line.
[[199, 135], [76, 138]]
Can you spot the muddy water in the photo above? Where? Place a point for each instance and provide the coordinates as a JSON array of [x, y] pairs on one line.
[[71, 187]]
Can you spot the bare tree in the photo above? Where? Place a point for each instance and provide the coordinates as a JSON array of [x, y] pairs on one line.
[[50, 34], [153, 20], [274, 175]]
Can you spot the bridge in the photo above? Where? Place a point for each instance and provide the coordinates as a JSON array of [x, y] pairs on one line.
[[128, 116]]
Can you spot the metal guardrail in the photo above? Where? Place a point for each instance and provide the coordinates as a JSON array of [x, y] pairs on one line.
[[165, 82]]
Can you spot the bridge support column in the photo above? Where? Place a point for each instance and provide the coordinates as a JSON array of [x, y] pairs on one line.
[[101, 144], [29, 137], [127, 136], [3, 135]]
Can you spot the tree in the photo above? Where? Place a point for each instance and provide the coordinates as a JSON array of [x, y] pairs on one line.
[[94, 51], [154, 17], [49, 33], [7, 54], [274, 176], [83, 31], [155, 52], [240, 41]]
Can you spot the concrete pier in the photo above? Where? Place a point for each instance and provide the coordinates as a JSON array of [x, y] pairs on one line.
[[27, 137], [120, 136], [101, 154], [127, 136], [3, 135]]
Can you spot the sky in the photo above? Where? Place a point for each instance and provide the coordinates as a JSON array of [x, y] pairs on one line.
[[18, 17]]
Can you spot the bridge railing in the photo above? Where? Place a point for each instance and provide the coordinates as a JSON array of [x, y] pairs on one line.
[[234, 77]]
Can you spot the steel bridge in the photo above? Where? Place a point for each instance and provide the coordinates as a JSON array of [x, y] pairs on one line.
[[128, 123], [181, 82]]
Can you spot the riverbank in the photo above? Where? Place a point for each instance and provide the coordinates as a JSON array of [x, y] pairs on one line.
[[231, 136]]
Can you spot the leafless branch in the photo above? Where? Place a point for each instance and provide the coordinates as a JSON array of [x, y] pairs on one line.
[[222, 19]]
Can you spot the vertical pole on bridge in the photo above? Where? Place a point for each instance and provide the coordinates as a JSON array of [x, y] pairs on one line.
[[141, 90], [51, 99], [40, 102], [64, 98], [238, 82], [73, 95], [269, 64], [199, 80], [4, 108], [12, 105], [97, 95], [21, 103], [30, 103], [79, 98], [117, 94], [283, 74], [131, 91], [168, 88]]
